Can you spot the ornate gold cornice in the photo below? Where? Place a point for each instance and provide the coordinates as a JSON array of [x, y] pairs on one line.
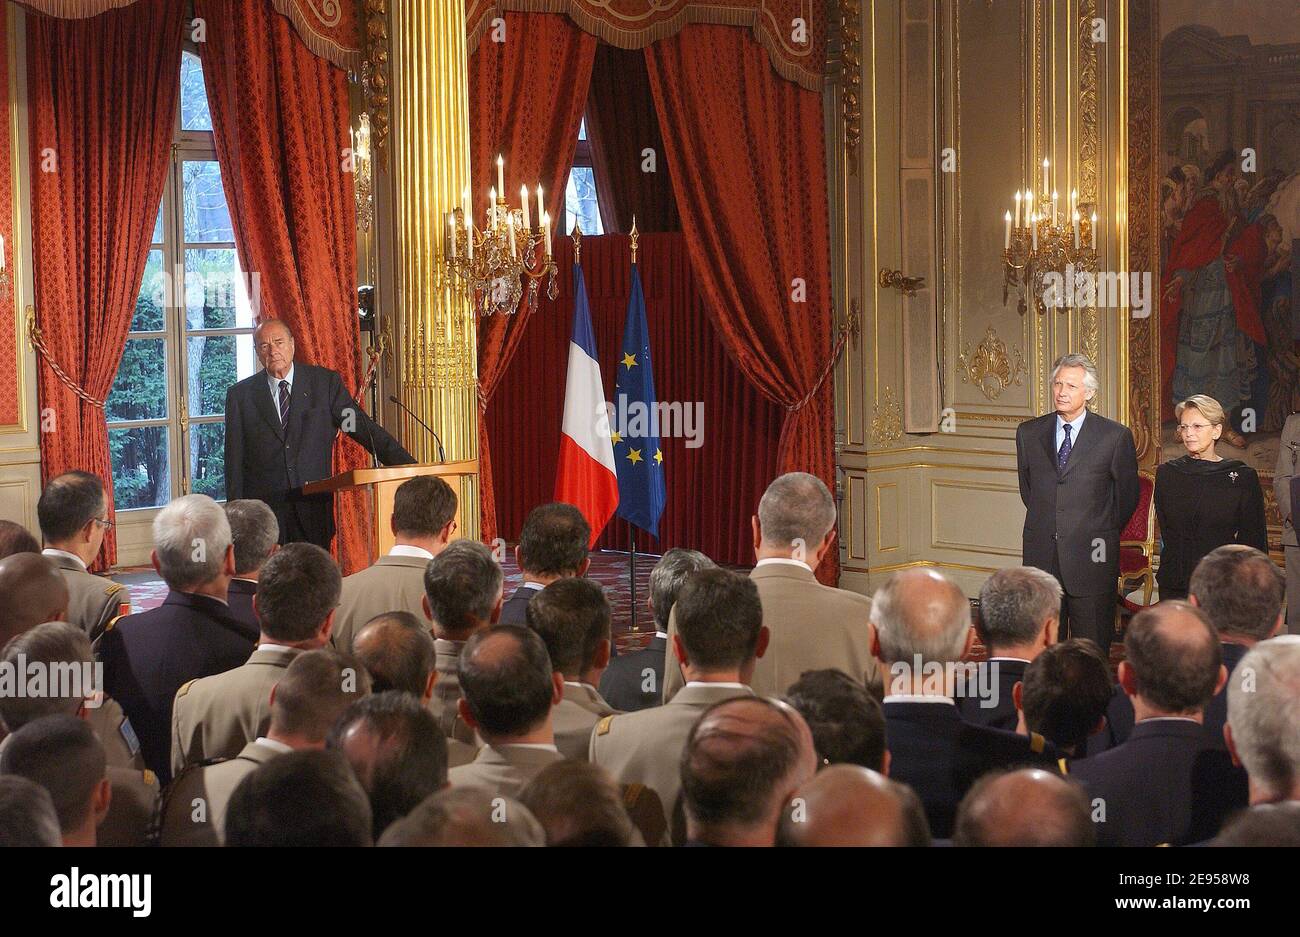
[[374, 76], [850, 77]]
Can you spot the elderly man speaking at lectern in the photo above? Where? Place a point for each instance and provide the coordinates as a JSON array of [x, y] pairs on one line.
[[280, 429]]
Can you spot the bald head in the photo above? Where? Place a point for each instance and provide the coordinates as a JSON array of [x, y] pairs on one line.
[[506, 678], [742, 760], [1029, 807], [845, 805], [921, 612], [1174, 662], [466, 816], [397, 650], [32, 591]]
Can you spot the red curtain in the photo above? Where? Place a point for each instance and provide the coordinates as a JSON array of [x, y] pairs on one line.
[[526, 98], [747, 157], [102, 104], [621, 126], [280, 120], [712, 489]]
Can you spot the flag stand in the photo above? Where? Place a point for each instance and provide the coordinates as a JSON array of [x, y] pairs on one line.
[[631, 565]]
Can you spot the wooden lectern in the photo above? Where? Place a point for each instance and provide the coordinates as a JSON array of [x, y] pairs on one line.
[[384, 482]]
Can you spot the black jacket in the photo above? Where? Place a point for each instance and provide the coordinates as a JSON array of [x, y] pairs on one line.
[[240, 599], [624, 684], [514, 610], [1004, 715], [1092, 498], [1203, 505]]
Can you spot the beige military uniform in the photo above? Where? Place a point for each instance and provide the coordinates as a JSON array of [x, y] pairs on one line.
[[394, 584], [504, 771], [194, 811], [645, 747], [445, 701], [812, 627], [130, 818], [114, 730], [93, 601], [575, 717], [1287, 461], [215, 717], [460, 753]]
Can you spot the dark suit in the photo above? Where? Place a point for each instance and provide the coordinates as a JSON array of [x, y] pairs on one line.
[[240, 599], [514, 611], [1004, 715], [271, 464], [1161, 786], [149, 656], [940, 755], [1068, 511], [627, 675]]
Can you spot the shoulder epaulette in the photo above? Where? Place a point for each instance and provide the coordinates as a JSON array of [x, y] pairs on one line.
[[113, 588], [602, 727], [1037, 744], [185, 688], [1063, 765], [149, 777]]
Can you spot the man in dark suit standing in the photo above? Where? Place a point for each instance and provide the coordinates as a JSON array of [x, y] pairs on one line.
[[280, 429], [1078, 480]]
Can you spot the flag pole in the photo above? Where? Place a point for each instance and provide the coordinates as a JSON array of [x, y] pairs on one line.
[[631, 529]]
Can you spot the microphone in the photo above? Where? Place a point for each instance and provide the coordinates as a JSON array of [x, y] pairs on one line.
[[442, 454]]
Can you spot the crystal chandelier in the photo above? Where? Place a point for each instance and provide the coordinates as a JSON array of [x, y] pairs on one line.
[[1054, 244]]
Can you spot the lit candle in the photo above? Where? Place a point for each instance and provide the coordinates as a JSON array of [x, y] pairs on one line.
[[1033, 227], [546, 232], [541, 209], [501, 174], [492, 209], [468, 209], [1029, 207], [451, 234], [1074, 197], [1076, 230], [469, 244], [1055, 218], [2, 251], [1094, 230], [1017, 208], [510, 232], [1044, 175], [1006, 238], [523, 199]]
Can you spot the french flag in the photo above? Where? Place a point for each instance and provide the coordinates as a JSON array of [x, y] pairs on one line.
[[586, 477]]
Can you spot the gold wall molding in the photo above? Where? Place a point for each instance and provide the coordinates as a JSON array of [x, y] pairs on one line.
[[374, 76], [989, 367], [887, 422], [850, 76], [1142, 346]]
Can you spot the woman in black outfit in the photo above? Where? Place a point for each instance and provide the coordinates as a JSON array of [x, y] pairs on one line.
[[1203, 500]]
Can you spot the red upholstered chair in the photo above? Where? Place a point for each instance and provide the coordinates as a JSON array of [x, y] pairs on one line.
[[1137, 544]]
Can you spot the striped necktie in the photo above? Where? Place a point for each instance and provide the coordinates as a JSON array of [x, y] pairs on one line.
[[284, 405]]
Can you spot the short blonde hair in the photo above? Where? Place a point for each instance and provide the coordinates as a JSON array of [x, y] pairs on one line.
[[1208, 407]]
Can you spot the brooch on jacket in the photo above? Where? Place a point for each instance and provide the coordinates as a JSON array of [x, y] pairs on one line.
[[1233, 476]]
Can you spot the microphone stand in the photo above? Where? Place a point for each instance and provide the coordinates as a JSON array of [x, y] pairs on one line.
[[442, 453]]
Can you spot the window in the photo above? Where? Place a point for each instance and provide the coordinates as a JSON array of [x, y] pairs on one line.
[[580, 203], [191, 335]]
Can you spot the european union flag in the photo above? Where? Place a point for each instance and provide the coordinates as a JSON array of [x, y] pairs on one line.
[[637, 456]]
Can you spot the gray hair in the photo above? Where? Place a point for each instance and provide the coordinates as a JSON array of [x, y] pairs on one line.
[[255, 532], [797, 507], [27, 814], [668, 577], [1015, 603], [1091, 380], [1264, 713], [62, 649], [462, 583], [910, 623], [191, 536]]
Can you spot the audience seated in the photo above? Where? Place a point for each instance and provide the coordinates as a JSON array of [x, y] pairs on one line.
[[635, 679], [1163, 785], [847, 723], [302, 798], [255, 535], [553, 545], [1263, 825], [15, 538], [510, 692], [462, 595], [423, 522], [32, 591], [742, 762], [62, 755], [1263, 728], [1028, 807], [73, 514], [466, 816], [312, 693], [848, 805], [216, 716], [572, 617], [27, 815], [396, 750], [1020, 608], [149, 656], [578, 804], [1064, 695], [719, 636], [812, 626]]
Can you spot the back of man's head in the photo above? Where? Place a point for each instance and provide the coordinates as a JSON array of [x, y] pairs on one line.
[[63, 755], [920, 612], [15, 538], [191, 538], [669, 575], [1173, 654], [316, 689], [1263, 825], [69, 502], [1240, 590], [396, 750], [304, 798], [578, 804], [62, 653], [32, 590], [463, 587], [466, 816], [796, 513], [742, 760], [422, 507], [1065, 692], [297, 590], [554, 540], [1264, 716], [254, 532], [1028, 807], [572, 617], [505, 675], [719, 619], [847, 723], [397, 650], [27, 815], [1015, 603], [848, 805]]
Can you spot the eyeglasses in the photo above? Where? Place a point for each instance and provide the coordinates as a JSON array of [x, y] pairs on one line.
[[1198, 428], [105, 523]]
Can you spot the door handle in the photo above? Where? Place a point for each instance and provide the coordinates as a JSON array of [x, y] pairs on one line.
[[899, 281]]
